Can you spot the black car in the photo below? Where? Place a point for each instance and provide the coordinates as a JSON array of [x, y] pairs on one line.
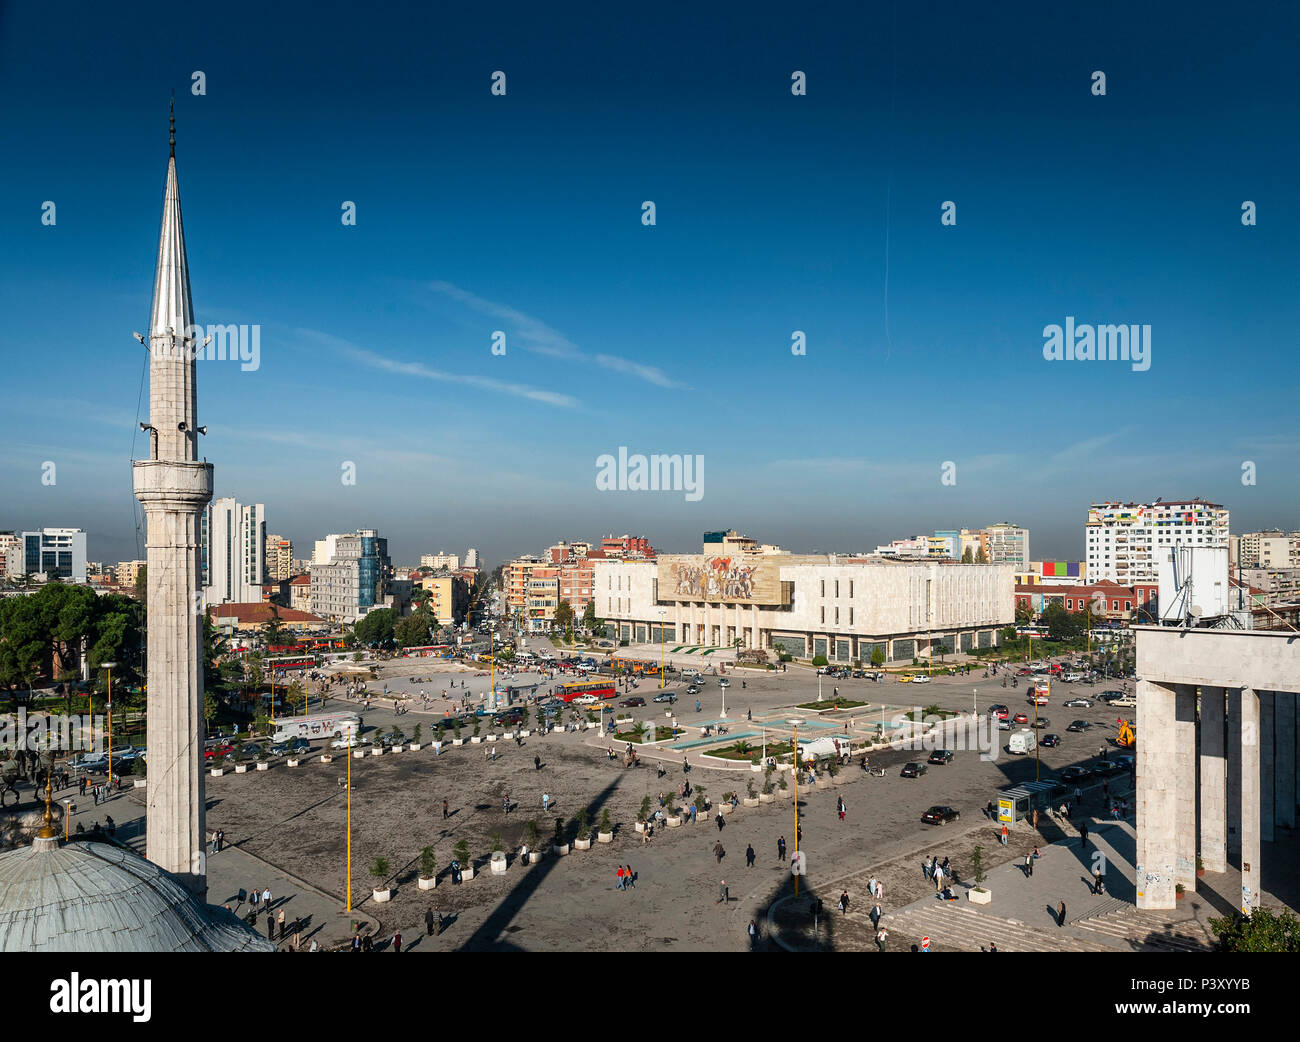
[[937, 815], [1074, 775], [632, 703], [1040, 723], [912, 770], [1102, 768], [1051, 740], [667, 696], [940, 756], [1078, 726]]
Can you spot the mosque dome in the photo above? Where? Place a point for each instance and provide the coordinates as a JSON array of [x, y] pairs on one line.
[[99, 897]]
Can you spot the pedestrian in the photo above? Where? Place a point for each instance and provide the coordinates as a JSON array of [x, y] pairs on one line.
[[844, 903], [1060, 914], [927, 867], [882, 935], [721, 821], [723, 895], [780, 848], [428, 922], [1005, 834], [752, 930], [938, 877], [266, 897], [397, 941], [629, 880], [880, 891], [694, 810], [718, 851], [221, 841], [280, 920], [445, 812], [537, 762], [1096, 880], [270, 928], [839, 806], [1083, 834], [876, 913], [619, 875], [1029, 866], [749, 856], [297, 934]]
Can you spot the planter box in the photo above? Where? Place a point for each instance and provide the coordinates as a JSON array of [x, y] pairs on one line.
[[326, 758], [427, 884], [750, 801], [291, 763], [467, 873], [217, 772], [358, 754], [725, 808], [785, 793], [475, 740], [640, 826], [980, 896], [377, 751], [582, 844], [382, 896], [757, 768], [559, 849], [263, 766], [524, 734], [766, 797], [458, 741], [138, 783], [491, 738], [673, 821], [604, 837], [415, 748], [396, 748], [534, 856], [498, 864], [241, 768]]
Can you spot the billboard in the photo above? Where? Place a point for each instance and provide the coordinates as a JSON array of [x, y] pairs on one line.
[[733, 578]]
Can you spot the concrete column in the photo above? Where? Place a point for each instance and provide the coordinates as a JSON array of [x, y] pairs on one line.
[[1284, 759], [1214, 777], [1266, 774], [1157, 844], [1184, 769], [1234, 772], [1250, 868]]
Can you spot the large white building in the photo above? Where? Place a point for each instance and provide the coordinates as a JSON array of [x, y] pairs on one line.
[[56, 552], [440, 561], [1273, 549], [806, 604], [355, 578], [234, 552], [1124, 541], [1008, 544]]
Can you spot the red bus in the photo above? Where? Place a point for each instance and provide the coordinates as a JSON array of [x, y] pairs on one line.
[[573, 688]]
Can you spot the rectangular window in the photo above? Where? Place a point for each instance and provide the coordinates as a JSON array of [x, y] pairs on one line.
[[823, 613]]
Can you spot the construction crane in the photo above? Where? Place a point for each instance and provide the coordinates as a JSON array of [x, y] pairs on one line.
[[1127, 735]]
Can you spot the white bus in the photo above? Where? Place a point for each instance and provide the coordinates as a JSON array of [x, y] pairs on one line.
[[316, 726]]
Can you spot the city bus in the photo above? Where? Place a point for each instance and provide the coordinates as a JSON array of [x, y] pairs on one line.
[[317, 726], [572, 689], [1037, 632], [291, 662], [623, 664]]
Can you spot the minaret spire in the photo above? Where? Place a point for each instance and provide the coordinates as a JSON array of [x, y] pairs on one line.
[[172, 142]]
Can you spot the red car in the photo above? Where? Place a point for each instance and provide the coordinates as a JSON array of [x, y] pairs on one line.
[[1021, 718], [215, 752], [1024, 672]]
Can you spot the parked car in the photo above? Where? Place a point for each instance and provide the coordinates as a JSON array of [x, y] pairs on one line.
[[1078, 726], [1000, 711], [1024, 672], [1103, 768], [940, 756], [724, 682], [1051, 740], [1110, 696], [692, 690], [1073, 775], [667, 696], [348, 741], [921, 678], [938, 815], [1079, 703], [1040, 723], [633, 703], [912, 770], [1022, 718], [586, 700], [1004, 724], [215, 752], [1072, 678]]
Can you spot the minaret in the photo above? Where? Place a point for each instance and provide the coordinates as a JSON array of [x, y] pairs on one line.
[[173, 487]]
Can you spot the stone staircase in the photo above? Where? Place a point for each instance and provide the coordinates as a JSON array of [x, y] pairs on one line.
[[1100, 905], [1150, 931], [954, 926]]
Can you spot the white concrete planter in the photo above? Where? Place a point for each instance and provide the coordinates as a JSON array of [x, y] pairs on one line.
[[604, 837], [534, 856], [785, 793], [263, 766], [415, 748], [397, 748], [673, 821], [524, 734], [757, 768], [291, 763], [241, 768], [498, 863], [377, 751], [724, 808], [491, 738], [458, 741], [766, 797], [559, 849], [428, 884], [750, 801], [640, 826], [382, 896], [326, 758], [582, 844], [467, 873], [979, 896], [138, 783], [358, 754], [476, 740]]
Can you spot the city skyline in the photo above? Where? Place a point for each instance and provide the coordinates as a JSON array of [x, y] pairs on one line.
[[775, 214]]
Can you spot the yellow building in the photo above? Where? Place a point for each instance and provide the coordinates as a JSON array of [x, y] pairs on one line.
[[448, 597]]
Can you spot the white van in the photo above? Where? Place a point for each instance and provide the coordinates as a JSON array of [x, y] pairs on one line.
[[1127, 702], [1022, 742]]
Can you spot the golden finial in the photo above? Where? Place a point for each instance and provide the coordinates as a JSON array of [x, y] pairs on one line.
[[173, 125], [49, 831]]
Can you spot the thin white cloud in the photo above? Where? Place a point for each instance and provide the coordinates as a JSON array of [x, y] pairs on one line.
[[537, 336], [418, 369]]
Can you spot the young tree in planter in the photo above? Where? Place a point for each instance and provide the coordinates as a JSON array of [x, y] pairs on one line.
[[606, 826], [457, 727], [781, 782], [977, 863], [461, 850], [767, 778], [533, 832], [497, 845], [701, 798], [415, 735], [749, 788], [428, 863], [643, 814], [379, 869], [477, 723], [559, 832], [583, 819]]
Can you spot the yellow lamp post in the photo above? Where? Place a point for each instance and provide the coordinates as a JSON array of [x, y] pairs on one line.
[[796, 800], [349, 755], [661, 649], [110, 666]]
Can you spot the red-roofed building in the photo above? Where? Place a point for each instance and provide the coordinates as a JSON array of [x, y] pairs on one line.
[[255, 616], [300, 592]]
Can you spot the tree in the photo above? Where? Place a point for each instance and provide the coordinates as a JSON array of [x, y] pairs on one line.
[[1024, 613], [142, 584], [877, 656], [1262, 931], [274, 632], [376, 627], [414, 630], [981, 557], [589, 616], [563, 615], [819, 660], [428, 863], [967, 557]]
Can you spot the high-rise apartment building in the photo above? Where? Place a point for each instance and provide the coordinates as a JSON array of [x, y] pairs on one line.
[[1270, 549], [1008, 544], [58, 552], [233, 549], [11, 554], [440, 561], [1124, 542], [279, 558], [355, 578]]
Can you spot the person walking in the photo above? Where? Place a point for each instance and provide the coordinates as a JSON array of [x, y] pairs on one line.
[[839, 806], [724, 895], [1006, 834], [1060, 914], [721, 821], [446, 813], [749, 856], [937, 876], [844, 903], [221, 841], [619, 875], [1029, 866], [397, 941], [752, 930], [270, 928], [780, 848], [266, 897], [1096, 880], [694, 811], [629, 880], [428, 922], [297, 934], [882, 935], [280, 922], [927, 868], [718, 851], [1083, 834], [876, 913], [537, 762]]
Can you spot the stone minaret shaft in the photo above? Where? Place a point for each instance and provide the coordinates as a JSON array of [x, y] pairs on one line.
[[173, 488]]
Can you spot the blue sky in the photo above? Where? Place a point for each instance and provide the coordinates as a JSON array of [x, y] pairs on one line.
[[775, 213]]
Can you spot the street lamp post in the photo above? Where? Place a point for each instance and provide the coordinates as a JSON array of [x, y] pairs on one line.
[[661, 649], [110, 666], [349, 842], [795, 723]]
